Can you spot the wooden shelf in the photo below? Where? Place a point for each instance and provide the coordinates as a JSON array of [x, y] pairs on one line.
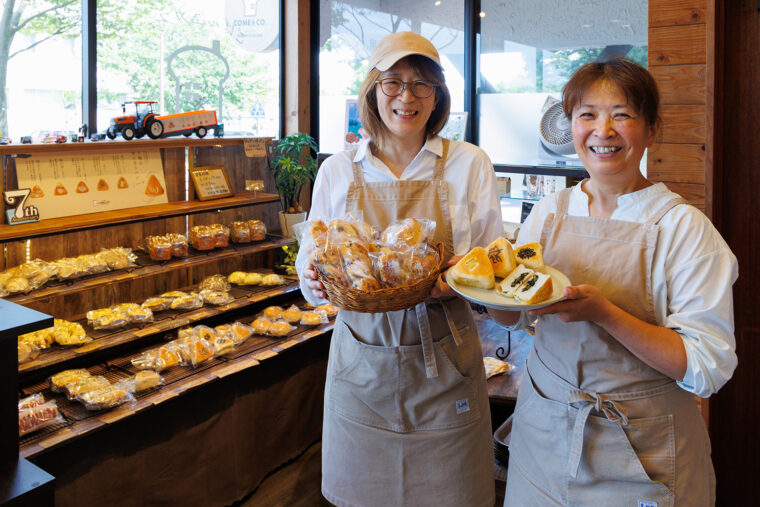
[[129, 215], [120, 144], [225, 368], [151, 269], [62, 354]]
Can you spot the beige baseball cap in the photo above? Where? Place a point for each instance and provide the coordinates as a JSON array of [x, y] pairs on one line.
[[396, 46]]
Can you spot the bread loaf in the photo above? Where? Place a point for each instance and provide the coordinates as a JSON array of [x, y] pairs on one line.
[[474, 270]]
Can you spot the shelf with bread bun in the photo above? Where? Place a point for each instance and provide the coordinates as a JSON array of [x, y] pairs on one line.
[[77, 419], [120, 282], [144, 266], [103, 338]]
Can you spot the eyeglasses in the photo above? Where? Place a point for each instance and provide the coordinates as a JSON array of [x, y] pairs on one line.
[[394, 87]]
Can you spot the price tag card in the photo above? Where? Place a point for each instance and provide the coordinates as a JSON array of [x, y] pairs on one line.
[[256, 146], [210, 182]]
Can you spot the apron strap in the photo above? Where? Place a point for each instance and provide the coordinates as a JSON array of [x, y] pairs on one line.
[[563, 201], [589, 400], [428, 353], [441, 162], [672, 203], [357, 167]]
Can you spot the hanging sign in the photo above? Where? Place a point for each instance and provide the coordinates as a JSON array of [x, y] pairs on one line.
[[254, 25]]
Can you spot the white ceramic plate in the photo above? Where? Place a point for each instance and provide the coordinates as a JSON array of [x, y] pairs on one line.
[[492, 299]]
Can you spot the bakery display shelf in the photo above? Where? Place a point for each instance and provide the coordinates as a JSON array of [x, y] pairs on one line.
[[39, 442], [146, 267], [57, 354], [120, 144], [128, 215]]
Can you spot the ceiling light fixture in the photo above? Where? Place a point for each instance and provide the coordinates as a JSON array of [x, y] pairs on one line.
[[482, 14]]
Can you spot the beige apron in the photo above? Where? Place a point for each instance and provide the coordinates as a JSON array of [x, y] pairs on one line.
[[593, 424], [407, 420]]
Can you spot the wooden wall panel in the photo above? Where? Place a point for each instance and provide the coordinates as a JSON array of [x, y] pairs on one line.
[[679, 163], [677, 45], [693, 193], [683, 124], [681, 84], [677, 12]]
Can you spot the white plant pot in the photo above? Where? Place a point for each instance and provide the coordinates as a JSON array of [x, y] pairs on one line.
[[288, 220]]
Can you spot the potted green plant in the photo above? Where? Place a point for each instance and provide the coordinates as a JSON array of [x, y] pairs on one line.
[[293, 166]]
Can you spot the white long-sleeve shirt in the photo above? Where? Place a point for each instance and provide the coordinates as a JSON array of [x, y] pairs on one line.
[[692, 275], [473, 199]]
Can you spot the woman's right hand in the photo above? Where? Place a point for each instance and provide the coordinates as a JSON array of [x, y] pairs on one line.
[[310, 274]]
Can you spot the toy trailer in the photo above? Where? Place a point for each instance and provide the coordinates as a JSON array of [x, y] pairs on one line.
[[199, 122]]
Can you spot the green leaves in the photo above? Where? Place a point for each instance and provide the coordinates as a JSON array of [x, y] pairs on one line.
[[293, 166]]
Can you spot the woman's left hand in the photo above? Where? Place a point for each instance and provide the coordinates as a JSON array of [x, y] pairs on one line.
[[583, 303], [441, 289]]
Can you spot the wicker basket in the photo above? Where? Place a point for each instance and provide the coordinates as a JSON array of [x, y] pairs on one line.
[[383, 300]]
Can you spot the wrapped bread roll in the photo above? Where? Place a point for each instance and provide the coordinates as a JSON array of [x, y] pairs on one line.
[[292, 314], [221, 234], [280, 328], [273, 312], [179, 244], [389, 267], [146, 379], [358, 267], [407, 231], [261, 325], [311, 318]]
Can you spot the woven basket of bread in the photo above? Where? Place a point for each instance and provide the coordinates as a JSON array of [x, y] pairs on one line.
[[381, 300]]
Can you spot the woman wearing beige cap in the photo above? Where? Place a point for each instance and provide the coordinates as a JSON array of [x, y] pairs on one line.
[[406, 418]]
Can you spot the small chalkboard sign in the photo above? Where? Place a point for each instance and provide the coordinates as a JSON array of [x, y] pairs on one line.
[[210, 182], [526, 207]]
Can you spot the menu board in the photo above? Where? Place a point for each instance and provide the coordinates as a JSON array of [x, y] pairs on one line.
[[66, 185]]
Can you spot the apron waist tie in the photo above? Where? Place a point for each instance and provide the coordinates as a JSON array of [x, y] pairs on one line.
[[590, 400], [428, 353]]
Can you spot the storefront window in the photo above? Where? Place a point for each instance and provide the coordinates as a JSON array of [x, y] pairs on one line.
[[349, 32], [528, 52], [188, 55], [40, 68]]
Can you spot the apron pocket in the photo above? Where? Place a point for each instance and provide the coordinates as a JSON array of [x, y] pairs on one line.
[[635, 463], [363, 381]]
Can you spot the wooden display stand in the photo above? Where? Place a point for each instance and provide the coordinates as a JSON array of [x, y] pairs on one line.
[[54, 238]]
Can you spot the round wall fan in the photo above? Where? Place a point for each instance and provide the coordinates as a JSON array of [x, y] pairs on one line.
[[555, 129]]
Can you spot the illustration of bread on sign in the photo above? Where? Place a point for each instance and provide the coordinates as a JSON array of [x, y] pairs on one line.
[[153, 188], [122, 183], [82, 188], [37, 192], [102, 185], [60, 190]]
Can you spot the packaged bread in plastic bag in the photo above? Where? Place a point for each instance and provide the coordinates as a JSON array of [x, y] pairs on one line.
[[191, 301], [239, 232], [313, 318], [158, 247], [118, 258], [178, 244], [38, 417], [106, 397], [408, 232], [141, 381], [30, 401], [59, 381], [85, 385]]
